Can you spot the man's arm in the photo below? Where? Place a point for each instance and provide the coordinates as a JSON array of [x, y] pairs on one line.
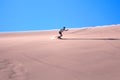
[[66, 29]]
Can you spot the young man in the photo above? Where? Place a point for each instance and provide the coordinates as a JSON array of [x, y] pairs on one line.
[[61, 31]]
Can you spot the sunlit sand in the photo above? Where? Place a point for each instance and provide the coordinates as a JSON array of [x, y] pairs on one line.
[[91, 53]]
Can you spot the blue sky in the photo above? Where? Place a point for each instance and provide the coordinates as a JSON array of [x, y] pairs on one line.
[[21, 15]]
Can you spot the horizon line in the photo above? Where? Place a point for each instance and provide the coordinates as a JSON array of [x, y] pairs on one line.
[[33, 30]]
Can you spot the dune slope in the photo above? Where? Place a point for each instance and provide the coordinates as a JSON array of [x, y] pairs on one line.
[[91, 53]]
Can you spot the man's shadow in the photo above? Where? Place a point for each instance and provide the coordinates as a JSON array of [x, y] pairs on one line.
[[90, 39]]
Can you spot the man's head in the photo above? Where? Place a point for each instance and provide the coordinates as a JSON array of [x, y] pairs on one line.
[[64, 27]]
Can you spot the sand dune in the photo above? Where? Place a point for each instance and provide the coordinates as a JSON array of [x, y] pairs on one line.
[[91, 53]]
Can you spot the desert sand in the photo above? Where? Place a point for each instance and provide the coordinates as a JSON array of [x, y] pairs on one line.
[[91, 53]]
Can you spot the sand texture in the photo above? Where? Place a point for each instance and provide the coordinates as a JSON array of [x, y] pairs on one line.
[[91, 53]]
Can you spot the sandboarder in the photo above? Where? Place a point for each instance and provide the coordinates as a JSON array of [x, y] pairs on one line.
[[61, 31]]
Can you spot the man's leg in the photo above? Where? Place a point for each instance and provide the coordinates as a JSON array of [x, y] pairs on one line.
[[60, 35]]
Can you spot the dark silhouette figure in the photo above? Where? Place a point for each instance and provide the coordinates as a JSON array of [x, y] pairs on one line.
[[61, 31]]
